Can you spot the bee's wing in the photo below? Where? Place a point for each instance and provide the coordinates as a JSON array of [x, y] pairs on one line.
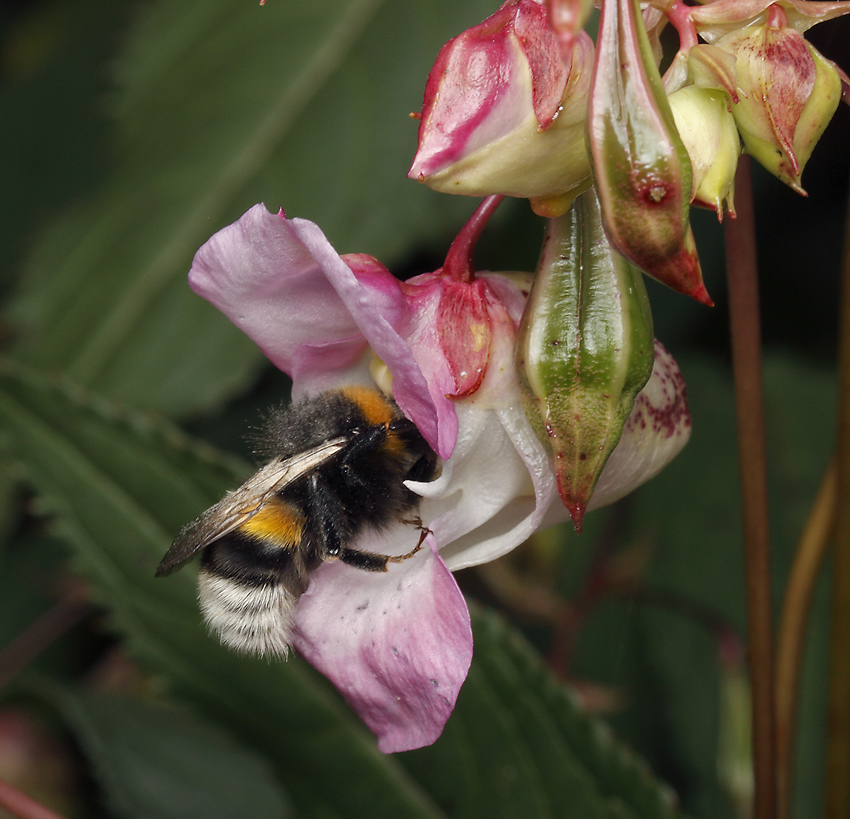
[[241, 504]]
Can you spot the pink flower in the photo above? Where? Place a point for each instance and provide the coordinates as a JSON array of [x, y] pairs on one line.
[[398, 645]]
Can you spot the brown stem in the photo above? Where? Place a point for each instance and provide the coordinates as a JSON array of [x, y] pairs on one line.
[[837, 795], [799, 592], [22, 806], [48, 628], [742, 274]]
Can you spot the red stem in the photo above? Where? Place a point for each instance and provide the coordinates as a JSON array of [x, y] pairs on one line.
[[680, 16], [458, 264], [742, 275], [22, 806]]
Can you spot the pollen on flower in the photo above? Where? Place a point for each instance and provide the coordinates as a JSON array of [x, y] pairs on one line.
[[480, 335]]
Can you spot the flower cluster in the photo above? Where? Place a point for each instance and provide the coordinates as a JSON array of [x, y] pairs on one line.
[[509, 102], [443, 343], [543, 395]]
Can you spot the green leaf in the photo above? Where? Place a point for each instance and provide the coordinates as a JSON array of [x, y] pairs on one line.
[[159, 762], [658, 650], [54, 129], [518, 745], [118, 485], [222, 105]]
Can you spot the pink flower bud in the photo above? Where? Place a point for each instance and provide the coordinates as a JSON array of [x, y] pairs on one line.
[[504, 111], [791, 94], [722, 17]]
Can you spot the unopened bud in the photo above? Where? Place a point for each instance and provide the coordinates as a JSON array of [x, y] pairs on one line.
[[708, 130], [505, 110], [792, 92], [640, 164]]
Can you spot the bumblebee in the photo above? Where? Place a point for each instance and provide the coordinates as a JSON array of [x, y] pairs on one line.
[[337, 468]]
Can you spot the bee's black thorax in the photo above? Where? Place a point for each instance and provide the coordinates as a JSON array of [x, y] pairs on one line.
[[361, 487]]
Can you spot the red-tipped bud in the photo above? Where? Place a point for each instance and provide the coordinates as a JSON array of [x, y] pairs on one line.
[[584, 349], [791, 94], [641, 167]]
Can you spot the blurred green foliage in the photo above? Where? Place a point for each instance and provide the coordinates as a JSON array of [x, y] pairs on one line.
[[129, 134]]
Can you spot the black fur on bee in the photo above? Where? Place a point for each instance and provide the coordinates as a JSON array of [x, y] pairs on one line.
[[337, 466]]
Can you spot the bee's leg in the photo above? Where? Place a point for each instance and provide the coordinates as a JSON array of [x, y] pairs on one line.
[[329, 516], [424, 531], [368, 561], [374, 562]]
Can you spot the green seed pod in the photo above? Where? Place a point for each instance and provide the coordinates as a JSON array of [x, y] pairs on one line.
[[585, 349], [640, 165]]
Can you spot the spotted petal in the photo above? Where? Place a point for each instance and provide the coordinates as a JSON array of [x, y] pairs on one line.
[[658, 428], [397, 646]]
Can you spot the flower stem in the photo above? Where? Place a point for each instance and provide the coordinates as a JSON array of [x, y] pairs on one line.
[[742, 274], [458, 264], [799, 592], [680, 16], [837, 796], [48, 628]]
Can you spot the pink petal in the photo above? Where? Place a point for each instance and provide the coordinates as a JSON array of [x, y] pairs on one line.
[[713, 20], [367, 306], [385, 293], [549, 73], [475, 94], [258, 273], [282, 283], [397, 645], [464, 330], [511, 292], [462, 334], [422, 336]]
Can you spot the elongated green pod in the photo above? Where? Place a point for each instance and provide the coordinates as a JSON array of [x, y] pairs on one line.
[[585, 349], [640, 164]]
